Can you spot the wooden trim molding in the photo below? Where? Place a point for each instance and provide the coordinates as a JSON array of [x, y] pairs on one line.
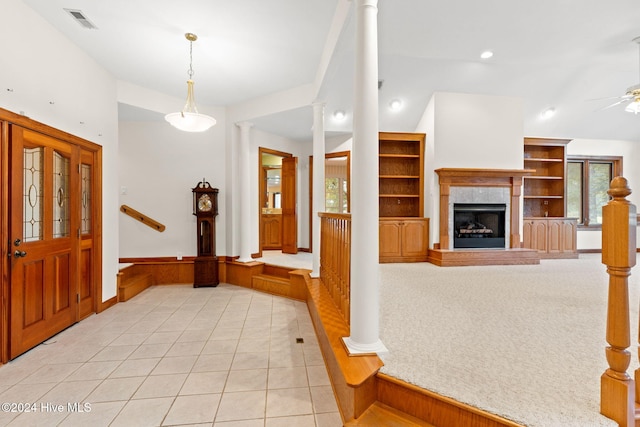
[[107, 304], [469, 177], [434, 408]]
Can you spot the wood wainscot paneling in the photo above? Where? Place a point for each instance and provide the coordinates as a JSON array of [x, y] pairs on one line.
[[165, 270]]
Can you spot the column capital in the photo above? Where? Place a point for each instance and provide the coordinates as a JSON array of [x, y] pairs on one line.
[[369, 3], [244, 124], [318, 103]]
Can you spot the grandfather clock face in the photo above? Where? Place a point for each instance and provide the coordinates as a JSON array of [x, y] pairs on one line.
[[204, 203]]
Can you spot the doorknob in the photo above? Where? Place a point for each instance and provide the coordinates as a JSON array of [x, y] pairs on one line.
[[19, 254]]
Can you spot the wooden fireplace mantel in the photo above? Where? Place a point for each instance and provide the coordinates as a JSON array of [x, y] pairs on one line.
[[486, 177], [471, 177]]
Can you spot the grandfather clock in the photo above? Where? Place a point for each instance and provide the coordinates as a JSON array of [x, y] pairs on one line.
[[205, 208]]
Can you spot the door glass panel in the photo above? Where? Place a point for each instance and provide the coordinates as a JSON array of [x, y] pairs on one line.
[[32, 194], [61, 211], [85, 223]]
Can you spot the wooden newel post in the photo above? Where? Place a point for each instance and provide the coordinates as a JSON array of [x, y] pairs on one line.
[[617, 392]]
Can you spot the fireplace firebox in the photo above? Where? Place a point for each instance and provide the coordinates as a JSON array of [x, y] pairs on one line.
[[479, 225]]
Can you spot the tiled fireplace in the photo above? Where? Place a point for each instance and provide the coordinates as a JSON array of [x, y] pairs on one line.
[[477, 192]]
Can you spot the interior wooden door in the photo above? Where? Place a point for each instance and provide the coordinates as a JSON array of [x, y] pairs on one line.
[[289, 216], [44, 235]]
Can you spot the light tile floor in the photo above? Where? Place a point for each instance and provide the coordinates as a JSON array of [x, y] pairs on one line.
[[175, 355]]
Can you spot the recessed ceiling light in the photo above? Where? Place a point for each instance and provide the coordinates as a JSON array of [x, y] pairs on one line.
[[548, 113], [486, 54], [339, 115], [395, 104]]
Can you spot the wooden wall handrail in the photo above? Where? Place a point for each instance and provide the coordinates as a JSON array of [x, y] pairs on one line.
[[142, 218], [619, 222]]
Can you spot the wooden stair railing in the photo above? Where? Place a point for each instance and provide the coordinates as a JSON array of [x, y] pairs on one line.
[[142, 218], [335, 259], [619, 222]]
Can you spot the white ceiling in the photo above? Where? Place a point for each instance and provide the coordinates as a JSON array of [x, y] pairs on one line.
[[566, 54]]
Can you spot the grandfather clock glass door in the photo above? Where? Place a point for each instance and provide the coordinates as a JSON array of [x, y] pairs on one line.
[[206, 241], [44, 237]]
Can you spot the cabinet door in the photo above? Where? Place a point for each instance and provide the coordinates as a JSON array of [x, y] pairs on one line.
[[534, 233], [569, 231], [527, 234], [415, 238], [271, 232], [554, 244], [390, 237]]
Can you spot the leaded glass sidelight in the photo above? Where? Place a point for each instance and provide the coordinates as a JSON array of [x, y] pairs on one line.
[[85, 224], [61, 190], [32, 194]]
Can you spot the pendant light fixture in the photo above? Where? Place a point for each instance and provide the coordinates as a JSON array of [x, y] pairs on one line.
[[189, 120]]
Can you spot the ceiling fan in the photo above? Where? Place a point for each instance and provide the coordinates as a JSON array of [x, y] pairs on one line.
[[632, 96]]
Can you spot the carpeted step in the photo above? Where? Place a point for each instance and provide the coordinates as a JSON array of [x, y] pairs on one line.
[[380, 414]]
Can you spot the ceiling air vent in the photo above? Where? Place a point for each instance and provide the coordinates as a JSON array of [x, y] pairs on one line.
[[81, 19]]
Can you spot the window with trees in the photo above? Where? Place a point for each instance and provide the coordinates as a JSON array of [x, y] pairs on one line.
[[336, 195], [588, 179]]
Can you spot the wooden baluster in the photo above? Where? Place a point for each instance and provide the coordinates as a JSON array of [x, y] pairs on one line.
[[617, 392], [335, 256]]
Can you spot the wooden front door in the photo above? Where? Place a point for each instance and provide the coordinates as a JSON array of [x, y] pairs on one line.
[[45, 238], [289, 203]]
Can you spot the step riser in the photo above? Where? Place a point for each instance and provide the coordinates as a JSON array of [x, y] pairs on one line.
[[133, 286], [271, 285]]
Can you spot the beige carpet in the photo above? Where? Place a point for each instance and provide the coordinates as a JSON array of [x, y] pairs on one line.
[[523, 342]]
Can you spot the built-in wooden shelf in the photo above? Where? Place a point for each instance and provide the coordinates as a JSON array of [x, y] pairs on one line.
[[544, 190]]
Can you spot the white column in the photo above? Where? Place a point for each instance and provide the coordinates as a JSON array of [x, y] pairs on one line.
[[245, 192], [365, 272], [318, 184]]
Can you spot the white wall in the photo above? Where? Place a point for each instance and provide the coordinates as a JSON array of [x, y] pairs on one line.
[[159, 165], [630, 152], [477, 131], [468, 131], [431, 189], [54, 82]]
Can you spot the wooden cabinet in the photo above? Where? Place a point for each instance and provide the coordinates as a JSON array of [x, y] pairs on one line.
[[552, 237], [545, 227], [404, 233], [544, 191], [401, 174], [271, 231], [404, 239]]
